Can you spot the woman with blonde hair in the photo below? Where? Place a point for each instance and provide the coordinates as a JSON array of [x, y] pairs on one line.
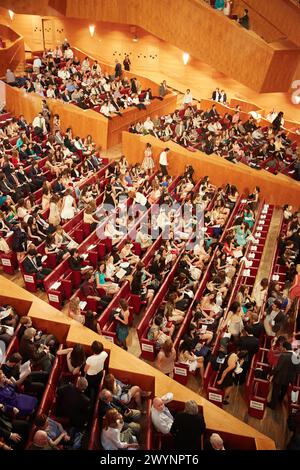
[[74, 310], [55, 209]]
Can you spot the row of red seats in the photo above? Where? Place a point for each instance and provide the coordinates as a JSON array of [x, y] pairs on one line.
[[148, 350], [245, 276], [134, 301], [76, 228], [94, 248]]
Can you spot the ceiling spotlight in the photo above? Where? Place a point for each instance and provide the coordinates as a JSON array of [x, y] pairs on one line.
[[92, 29], [135, 38], [185, 57]]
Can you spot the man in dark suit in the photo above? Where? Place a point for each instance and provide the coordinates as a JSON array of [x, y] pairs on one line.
[[65, 96], [118, 69], [14, 431], [247, 342], [72, 403], [255, 327], [13, 181], [284, 374], [8, 189], [58, 187], [188, 428], [163, 89], [216, 95], [36, 175], [213, 113], [24, 180], [32, 264]]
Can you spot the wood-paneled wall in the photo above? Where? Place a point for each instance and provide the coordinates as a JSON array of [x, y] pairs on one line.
[[12, 55], [203, 32], [105, 133], [258, 23], [282, 14], [71, 332], [275, 189]]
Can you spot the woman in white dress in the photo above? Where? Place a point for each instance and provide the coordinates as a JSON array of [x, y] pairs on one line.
[[148, 162], [54, 213], [68, 206]]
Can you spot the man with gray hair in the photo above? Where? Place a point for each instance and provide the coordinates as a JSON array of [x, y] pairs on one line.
[[72, 403], [131, 416], [188, 428], [215, 442]]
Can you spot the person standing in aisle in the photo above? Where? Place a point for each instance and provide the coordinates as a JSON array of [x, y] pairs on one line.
[[163, 161], [127, 63]]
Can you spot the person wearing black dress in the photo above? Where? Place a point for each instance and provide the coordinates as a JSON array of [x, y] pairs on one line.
[[188, 428], [228, 371]]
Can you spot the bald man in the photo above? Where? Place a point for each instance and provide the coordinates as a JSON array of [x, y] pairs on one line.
[[215, 442], [161, 416], [40, 441]]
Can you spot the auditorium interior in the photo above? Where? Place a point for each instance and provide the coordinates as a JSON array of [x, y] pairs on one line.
[[118, 121]]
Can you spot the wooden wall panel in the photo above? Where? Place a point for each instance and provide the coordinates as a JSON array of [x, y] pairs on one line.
[[105, 133], [281, 71], [29, 26], [192, 21], [258, 23], [12, 56], [282, 14], [220, 49], [275, 189], [82, 122], [215, 418]]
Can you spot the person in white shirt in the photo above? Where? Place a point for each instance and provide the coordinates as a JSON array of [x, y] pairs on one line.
[[112, 436], [148, 124], [85, 64], [63, 74], [37, 63], [10, 77], [188, 98], [135, 99], [223, 97], [105, 110], [68, 54], [138, 197], [50, 92], [161, 416], [271, 116], [258, 134], [39, 123], [163, 161], [94, 367]]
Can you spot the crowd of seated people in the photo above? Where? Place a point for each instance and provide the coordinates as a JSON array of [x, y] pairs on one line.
[[264, 313], [23, 377], [8, 322], [60, 75], [60, 183], [181, 291], [227, 136]]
